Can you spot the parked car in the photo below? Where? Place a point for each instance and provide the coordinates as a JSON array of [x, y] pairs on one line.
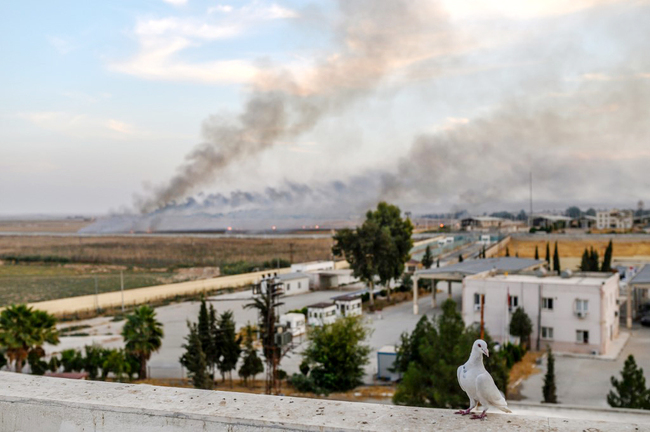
[[645, 320]]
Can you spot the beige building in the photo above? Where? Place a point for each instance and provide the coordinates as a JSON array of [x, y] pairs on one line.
[[614, 219], [576, 314]]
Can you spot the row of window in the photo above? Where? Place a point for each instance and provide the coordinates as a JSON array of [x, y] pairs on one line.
[[547, 303], [289, 286], [582, 336], [321, 314]]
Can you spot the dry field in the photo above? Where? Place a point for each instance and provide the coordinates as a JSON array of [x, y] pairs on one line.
[[164, 251], [43, 226]]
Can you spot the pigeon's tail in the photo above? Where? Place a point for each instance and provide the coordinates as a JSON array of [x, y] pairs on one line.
[[504, 409]]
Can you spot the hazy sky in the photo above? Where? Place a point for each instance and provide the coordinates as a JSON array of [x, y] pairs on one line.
[[432, 104]]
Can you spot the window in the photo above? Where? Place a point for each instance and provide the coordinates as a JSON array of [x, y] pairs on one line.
[[299, 284], [288, 287], [513, 302], [582, 305], [547, 303], [477, 301], [582, 336], [547, 332]]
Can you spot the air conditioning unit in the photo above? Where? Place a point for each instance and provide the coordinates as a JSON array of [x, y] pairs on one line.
[[477, 307], [581, 314]]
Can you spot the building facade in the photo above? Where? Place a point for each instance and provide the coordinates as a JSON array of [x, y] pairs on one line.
[[321, 313], [294, 283], [614, 219], [347, 306], [578, 314]]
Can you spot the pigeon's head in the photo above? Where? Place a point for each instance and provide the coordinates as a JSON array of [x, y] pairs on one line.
[[481, 346]]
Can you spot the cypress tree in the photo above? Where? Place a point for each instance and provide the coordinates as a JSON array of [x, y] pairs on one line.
[[427, 259], [438, 262], [229, 345], [630, 391], [507, 251], [607, 259], [194, 360], [556, 260], [593, 261], [548, 256], [584, 263], [536, 252], [460, 258], [549, 379], [204, 327]]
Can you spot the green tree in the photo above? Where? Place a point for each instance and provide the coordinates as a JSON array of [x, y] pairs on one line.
[[336, 354], [536, 252], [460, 258], [549, 388], [24, 329], [593, 260], [548, 256], [427, 258], [630, 391], [36, 364], [380, 247], [607, 259], [143, 335], [591, 212], [573, 212], [229, 345], [93, 360], [430, 357], [556, 260], [521, 326], [194, 360], [507, 251], [115, 362], [585, 264], [251, 364], [72, 360]]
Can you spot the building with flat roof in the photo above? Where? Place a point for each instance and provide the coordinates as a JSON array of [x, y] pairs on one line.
[[618, 220], [321, 313], [294, 283], [348, 305], [571, 313]]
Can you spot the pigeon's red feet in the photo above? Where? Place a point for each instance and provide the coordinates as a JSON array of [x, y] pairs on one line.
[[463, 412], [479, 417]]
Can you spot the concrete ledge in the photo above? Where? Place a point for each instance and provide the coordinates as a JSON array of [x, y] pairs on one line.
[[29, 403]]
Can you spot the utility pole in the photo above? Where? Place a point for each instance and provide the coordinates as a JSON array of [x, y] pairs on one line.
[[482, 309], [96, 296], [122, 288]]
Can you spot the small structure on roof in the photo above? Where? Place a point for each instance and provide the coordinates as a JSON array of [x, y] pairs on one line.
[[348, 305], [321, 313], [457, 272]]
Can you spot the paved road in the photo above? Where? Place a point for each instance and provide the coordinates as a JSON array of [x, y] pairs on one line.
[[587, 381], [386, 325]]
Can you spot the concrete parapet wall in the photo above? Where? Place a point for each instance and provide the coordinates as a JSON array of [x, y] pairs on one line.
[[147, 294], [494, 250], [30, 403]]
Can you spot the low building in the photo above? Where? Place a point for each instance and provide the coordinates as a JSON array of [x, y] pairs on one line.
[[570, 313], [312, 266], [295, 323], [552, 222], [619, 220], [481, 223], [334, 278], [348, 305], [585, 221], [413, 265], [321, 313], [294, 283]]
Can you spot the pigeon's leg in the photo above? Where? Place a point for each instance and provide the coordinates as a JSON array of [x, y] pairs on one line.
[[472, 405], [480, 417]]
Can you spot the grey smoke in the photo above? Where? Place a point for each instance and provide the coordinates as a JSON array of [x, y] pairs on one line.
[[372, 39]]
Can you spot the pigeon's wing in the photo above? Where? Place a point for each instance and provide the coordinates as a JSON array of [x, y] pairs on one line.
[[460, 381], [489, 393]]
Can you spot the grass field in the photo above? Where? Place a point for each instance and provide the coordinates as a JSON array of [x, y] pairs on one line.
[[163, 252], [39, 226], [32, 283]]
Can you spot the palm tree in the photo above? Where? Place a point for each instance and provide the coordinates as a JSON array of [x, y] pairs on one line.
[[143, 336], [24, 330]]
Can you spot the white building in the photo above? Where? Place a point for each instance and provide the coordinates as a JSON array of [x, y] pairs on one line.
[[321, 313], [294, 283], [295, 323], [614, 219], [312, 266], [348, 305], [578, 314], [333, 278]]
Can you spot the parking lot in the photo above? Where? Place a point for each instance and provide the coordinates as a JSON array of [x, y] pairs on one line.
[[583, 381]]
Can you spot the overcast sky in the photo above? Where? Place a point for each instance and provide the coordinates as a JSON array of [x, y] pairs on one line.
[[435, 105]]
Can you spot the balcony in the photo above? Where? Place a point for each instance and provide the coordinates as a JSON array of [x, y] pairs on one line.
[[31, 403]]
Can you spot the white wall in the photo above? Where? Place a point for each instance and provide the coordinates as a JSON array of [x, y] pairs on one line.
[[562, 318], [296, 286]]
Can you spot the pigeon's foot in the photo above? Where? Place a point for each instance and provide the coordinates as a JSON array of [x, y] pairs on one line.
[[463, 412], [479, 417]]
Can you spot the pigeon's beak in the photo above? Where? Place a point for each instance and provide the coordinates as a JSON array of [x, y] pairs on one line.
[[486, 352]]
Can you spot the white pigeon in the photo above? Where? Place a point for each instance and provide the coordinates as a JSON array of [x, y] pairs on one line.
[[478, 383]]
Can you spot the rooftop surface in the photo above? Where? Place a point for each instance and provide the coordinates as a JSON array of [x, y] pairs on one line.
[[32, 403], [321, 305], [642, 277], [590, 280], [470, 267], [292, 276]]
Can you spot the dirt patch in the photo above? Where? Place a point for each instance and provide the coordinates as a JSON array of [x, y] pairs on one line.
[[521, 371]]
